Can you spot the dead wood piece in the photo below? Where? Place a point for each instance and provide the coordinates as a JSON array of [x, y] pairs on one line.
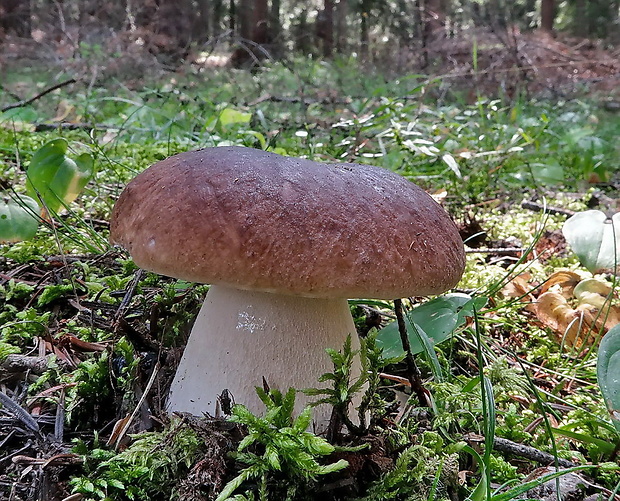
[[525, 451], [57, 460], [6, 277], [20, 364]]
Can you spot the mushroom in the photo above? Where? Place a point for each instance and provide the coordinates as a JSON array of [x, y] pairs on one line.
[[284, 242]]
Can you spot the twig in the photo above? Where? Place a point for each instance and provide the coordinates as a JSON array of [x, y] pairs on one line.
[[500, 250], [537, 207], [17, 363], [19, 412], [131, 288], [57, 460], [528, 452], [525, 451], [127, 421], [413, 373], [59, 421], [26, 102]]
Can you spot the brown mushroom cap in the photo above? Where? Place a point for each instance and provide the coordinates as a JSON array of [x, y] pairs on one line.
[[256, 220]]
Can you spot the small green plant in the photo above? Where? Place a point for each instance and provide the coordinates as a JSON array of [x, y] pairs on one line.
[[343, 389], [608, 373], [54, 180], [439, 318], [424, 471], [278, 447], [18, 218], [149, 468]]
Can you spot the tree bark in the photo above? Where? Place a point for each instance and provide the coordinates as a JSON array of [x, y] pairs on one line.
[[547, 15]]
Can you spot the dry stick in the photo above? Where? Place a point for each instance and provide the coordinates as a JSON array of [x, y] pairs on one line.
[[527, 452], [500, 250], [19, 412], [26, 102], [538, 207], [413, 373], [131, 288]]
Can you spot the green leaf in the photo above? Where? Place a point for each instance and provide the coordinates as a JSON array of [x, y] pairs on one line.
[[55, 177], [25, 114], [604, 446], [608, 373], [18, 218], [438, 318], [595, 240], [302, 422], [341, 464], [231, 116], [550, 173]]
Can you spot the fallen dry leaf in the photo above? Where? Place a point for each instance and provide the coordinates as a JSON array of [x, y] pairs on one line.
[[578, 311]]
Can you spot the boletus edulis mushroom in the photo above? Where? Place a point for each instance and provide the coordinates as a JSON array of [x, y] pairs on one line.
[[284, 242]]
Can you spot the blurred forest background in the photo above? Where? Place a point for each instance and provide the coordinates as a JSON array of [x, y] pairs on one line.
[[543, 46]]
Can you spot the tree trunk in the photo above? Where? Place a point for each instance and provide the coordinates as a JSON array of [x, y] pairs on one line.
[[434, 19], [580, 21], [202, 20], [216, 20], [342, 9], [260, 23], [244, 19], [275, 26], [254, 32], [232, 16], [547, 15], [364, 29], [15, 17], [324, 27]]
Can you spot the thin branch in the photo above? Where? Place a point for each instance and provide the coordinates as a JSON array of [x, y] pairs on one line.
[[537, 207], [19, 412], [26, 102], [525, 451], [413, 373]]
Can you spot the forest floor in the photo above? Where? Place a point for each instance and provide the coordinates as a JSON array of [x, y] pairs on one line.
[[512, 142]]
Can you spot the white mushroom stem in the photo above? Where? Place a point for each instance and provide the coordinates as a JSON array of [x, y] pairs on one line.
[[240, 336]]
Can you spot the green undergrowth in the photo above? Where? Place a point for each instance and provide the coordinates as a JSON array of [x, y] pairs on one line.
[[480, 159]]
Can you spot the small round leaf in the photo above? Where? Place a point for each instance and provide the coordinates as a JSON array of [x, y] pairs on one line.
[[595, 239], [18, 218]]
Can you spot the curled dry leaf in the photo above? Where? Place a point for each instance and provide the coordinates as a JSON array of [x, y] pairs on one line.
[[521, 288], [565, 279], [578, 311]]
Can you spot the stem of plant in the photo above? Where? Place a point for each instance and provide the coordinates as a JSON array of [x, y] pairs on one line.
[[413, 373]]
